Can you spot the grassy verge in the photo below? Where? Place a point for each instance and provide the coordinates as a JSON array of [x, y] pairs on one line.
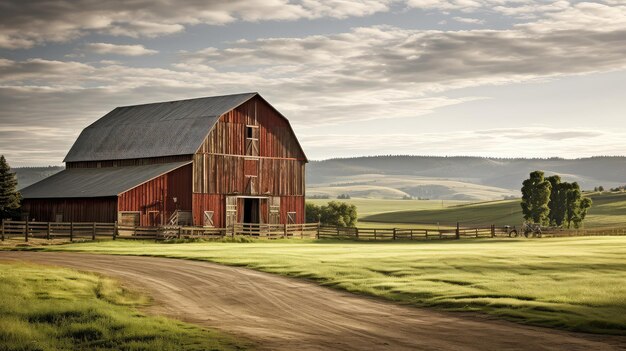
[[49, 308], [568, 283]]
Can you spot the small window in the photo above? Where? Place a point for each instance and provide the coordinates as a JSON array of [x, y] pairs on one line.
[[252, 132]]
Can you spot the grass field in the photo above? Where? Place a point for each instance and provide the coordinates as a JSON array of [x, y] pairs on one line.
[[608, 211], [569, 283], [46, 308]]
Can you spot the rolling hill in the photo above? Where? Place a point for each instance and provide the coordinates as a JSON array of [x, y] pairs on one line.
[[452, 178], [608, 211], [429, 177]]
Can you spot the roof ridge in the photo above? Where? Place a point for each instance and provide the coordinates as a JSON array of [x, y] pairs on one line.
[[182, 100]]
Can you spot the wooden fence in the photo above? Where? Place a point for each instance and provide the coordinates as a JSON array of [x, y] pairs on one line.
[[92, 231], [360, 233]]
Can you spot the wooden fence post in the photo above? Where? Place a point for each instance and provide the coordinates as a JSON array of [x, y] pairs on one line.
[[394, 234], [458, 231], [71, 231], [114, 230], [356, 232], [319, 226], [180, 230], [493, 230], [26, 231], [2, 229], [49, 229], [285, 230], [375, 234], [93, 232]]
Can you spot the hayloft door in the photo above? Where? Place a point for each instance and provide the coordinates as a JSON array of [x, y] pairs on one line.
[[231, 211]]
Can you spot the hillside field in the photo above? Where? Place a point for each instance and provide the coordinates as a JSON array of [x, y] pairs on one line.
[[608, 211], [568, 283]]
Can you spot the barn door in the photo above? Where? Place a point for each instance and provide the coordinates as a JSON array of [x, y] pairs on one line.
[[291, 218], [208, 218], [231, 211], [274, 203], [154, 218]]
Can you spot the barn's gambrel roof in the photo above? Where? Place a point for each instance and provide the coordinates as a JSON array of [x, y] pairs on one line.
[[153, 130], [96, 182]]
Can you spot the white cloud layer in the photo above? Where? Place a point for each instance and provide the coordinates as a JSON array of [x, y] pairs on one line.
[[535, 141], [24, 24], [378, 72], [124, 50]]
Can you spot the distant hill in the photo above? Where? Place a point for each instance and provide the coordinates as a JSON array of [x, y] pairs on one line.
[[30, 175], [459, 178], [428, 177]]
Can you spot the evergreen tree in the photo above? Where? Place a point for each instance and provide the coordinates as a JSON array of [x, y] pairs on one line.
[[536, 192], [9, 196]]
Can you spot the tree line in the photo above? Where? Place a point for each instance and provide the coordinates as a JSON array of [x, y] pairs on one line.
[[550, 201]]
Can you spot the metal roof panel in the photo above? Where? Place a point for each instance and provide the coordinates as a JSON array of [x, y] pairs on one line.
[[96, 182]]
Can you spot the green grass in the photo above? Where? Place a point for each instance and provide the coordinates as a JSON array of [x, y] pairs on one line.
[[568, 283], [608, 211], [49, 308]]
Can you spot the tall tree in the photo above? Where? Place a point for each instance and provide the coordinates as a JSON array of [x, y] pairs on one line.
[[9, 196], [557, 209], [573, 205], [536, 192], [585, 204]]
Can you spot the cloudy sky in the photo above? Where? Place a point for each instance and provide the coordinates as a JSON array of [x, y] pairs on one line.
[[507, 78]]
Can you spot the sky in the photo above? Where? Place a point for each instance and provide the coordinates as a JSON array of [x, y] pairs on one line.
[[496, 78]]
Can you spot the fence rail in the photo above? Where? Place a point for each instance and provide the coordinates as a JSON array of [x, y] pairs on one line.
[[93, 231]]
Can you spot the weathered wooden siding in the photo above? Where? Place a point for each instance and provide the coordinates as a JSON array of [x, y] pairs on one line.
[[281, 177], [73, 210], [221, 174], [130, 162], [292, 204], [209, 202], [217, 202], [151, 195], [225, 166], [276, 138]]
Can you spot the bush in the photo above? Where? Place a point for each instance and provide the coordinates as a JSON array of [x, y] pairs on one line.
[[334, 213]]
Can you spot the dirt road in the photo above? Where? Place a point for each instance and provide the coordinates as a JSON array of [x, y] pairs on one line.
[[280, 313]]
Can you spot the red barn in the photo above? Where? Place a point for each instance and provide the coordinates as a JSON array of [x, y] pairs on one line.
[[211, 161]]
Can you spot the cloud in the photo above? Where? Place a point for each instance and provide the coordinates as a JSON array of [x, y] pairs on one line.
[[366, 73], [24, 24], [534, 141], [468, 20], [124, 50]]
